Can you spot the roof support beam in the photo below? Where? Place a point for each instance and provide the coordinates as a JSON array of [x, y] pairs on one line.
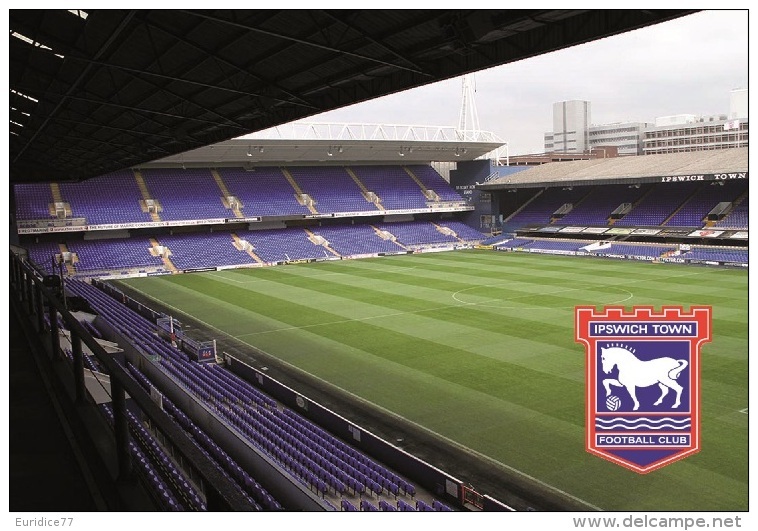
[[295, 99], [143, 110], [139, 72], [386, 47], [308, 43], [124, 23]]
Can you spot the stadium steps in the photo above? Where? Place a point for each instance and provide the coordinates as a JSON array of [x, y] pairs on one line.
[[225, 193], [447, 231], [431, 195], [522, 207], [383, 235], [367, 194], [325, 244], [55, 192], [302, 197], [575, 205], [734, 205], [69, 267], [681, 206], [249, 251], [740, 199], [635, 204], [165, 258], [146, 197]]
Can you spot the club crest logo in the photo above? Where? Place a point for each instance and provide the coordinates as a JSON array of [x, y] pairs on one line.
[[643, 382]]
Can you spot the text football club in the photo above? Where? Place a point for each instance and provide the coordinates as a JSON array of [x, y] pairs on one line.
[[642, 382]]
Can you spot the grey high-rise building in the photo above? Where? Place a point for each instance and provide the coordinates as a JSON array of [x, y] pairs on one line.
[[571, 127]]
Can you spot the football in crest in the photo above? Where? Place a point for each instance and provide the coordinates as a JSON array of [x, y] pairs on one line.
[[613, 403]]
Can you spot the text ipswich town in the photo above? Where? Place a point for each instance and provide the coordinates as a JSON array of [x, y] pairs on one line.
[[643, 382]]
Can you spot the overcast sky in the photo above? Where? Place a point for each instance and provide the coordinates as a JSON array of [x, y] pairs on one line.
[[686, 66]]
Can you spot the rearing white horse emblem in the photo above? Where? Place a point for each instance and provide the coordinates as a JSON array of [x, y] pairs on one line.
[[633, 373]]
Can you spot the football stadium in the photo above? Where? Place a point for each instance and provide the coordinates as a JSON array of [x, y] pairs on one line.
[[379, 321]]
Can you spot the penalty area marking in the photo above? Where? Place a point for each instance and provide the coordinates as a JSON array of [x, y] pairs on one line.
[[743, 411], [490, 302]]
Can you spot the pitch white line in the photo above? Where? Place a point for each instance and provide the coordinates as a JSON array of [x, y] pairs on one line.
[[220, 274], [489, 302], [316, 276]]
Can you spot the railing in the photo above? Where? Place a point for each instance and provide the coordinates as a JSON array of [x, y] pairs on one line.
[[302, 130], [35, 299]]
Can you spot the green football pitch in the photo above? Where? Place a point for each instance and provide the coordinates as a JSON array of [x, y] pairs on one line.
[[478, 347]]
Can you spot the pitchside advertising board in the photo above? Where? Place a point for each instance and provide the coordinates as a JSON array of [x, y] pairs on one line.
[[643, 382]]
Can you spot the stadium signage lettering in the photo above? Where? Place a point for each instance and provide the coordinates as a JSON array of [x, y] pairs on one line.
[[704, 177], [728, 176], [552, 251], [632, 440], [682, 178], [605, 328]]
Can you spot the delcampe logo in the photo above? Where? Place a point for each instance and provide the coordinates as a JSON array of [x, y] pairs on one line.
[[643, 382]]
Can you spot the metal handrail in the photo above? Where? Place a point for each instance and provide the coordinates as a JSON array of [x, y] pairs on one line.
[[222, 493]]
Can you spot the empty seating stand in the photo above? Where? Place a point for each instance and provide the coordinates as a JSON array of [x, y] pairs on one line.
[[195, 251], [737, 218], [658, 205], [540, 210], [596, 208], [693, 213], [113, 254], [350, 240], [33, 200], [332, 188], [190, 194], [416, 233], [321, 461], [263, 192], [393, 184], [106, 200]]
